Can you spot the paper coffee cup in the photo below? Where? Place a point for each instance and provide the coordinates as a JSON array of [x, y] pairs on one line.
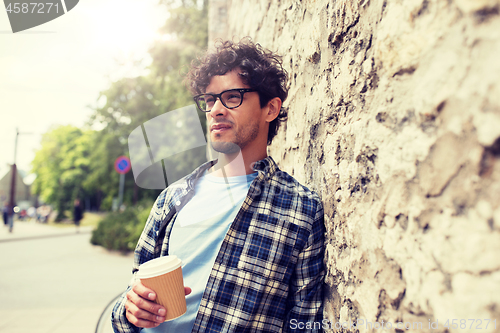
[[164, 276]]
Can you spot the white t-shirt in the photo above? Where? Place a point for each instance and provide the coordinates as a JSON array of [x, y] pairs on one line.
[[197, 234]]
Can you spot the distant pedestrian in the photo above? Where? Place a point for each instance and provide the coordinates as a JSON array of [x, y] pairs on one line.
[[43, 213], [77, 213], [5, 212], [31, 213], [10, 217]]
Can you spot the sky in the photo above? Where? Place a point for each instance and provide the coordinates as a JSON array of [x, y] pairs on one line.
[[52, 73]]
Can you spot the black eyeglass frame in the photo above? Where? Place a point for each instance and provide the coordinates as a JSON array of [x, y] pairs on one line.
[[242, 92]]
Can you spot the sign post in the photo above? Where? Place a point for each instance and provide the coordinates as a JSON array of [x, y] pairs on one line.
[[122, 166]]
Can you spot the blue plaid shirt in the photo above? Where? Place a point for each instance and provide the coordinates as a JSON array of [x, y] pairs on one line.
[[268, 275]]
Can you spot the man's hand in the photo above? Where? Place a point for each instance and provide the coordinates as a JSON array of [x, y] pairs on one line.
[[142, 311]]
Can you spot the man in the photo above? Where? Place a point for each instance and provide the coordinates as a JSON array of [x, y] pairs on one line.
[[5, 213], [249, 235], [77, 214]]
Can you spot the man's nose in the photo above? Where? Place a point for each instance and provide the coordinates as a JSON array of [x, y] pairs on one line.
[[218, 108]]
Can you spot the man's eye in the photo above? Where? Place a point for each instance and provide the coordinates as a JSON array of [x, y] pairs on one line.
[[209, 99], [233, 96]]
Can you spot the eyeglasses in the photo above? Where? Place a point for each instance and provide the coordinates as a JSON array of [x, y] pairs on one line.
[[231, 99]]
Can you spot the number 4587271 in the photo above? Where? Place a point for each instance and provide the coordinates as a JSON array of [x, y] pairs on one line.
[[470, 323], [33, 8]]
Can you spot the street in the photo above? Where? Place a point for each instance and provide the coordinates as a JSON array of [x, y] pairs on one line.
[[54, 281]]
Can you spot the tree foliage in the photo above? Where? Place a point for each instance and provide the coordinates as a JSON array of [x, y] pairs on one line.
[[120, 231], [62, 165]]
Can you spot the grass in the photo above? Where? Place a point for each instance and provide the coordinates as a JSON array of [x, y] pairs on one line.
[[92, 218], [89, 219]]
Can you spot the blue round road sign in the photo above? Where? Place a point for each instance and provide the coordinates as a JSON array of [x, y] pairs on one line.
[[122, 165]]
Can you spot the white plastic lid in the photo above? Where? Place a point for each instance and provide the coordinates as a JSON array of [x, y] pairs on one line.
[[158, 266]]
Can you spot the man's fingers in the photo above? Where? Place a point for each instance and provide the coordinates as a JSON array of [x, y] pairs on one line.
[[144, 304], [141, 318], [144, 291], [142, 311]]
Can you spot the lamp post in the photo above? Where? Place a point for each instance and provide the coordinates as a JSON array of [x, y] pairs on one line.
[[12, 201]]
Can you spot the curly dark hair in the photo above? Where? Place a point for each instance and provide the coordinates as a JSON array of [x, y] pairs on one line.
[[261, 69]]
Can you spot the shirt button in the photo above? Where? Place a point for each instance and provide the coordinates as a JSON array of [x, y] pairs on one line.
[[178, 203]]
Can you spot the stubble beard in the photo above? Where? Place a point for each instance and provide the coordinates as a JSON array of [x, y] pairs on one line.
[[227, 148], [242, 139]]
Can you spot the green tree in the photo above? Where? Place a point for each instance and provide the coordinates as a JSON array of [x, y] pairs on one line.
[[102, 180], [61, 166]]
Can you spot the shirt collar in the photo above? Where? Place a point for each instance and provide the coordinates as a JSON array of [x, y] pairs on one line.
[[198, 172], [267, 167]]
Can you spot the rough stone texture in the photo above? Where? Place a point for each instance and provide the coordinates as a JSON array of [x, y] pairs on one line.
[[394, 119], [217, 19]]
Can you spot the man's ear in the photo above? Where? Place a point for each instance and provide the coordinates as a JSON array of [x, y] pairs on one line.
[[273, 109]]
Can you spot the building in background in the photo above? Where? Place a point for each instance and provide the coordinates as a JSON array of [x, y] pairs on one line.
[[24, 198]]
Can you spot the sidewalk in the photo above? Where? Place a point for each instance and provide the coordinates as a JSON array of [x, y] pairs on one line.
[[31, 229], [85, 277]]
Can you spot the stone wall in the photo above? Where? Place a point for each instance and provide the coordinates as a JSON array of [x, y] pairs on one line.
[[394, 119]]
